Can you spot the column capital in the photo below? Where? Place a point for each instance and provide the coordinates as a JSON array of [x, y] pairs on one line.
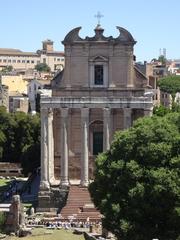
[[50, 112], [106, 111], [64, 112], [127, 111], [84, 112], [44, 111]]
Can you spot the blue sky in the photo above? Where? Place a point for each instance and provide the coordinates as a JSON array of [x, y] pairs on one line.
[[154, 24]]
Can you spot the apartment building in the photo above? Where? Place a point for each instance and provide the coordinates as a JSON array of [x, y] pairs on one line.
[[22, 61]]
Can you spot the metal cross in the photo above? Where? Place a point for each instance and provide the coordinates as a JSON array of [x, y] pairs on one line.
[[98, 16]]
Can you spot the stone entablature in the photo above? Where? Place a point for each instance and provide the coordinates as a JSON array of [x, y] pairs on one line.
[[96, 102]]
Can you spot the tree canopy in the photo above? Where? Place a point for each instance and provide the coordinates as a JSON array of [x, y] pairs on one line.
[[163, 110], [162, 59], [42, 67], [170, 84], [7, 69], [137, 182], [20, 139]]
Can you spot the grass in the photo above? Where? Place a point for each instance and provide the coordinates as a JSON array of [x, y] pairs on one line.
[[4, 182], [46, 234]]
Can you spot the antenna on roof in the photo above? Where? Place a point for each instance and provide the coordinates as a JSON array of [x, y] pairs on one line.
[[164, 52]]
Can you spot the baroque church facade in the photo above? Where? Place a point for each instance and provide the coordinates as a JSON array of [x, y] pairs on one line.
[[99, 92]]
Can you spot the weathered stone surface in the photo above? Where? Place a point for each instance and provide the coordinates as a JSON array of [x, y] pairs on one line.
[[100, 81], [15, 219], [52, 201]]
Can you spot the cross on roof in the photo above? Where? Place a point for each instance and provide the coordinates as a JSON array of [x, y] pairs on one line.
[[98, 16]]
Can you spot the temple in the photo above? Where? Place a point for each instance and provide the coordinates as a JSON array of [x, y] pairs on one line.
[[99, 92]]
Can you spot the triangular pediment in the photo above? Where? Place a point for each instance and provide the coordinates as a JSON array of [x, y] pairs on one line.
[[98, 58]]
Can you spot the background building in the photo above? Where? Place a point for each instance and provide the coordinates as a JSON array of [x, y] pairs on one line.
[[154, 71], [18, 102], [23, 61], [33, 92]]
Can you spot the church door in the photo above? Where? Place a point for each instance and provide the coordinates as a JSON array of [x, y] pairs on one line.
[[97, 142]]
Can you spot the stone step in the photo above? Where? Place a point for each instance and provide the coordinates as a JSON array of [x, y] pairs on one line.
[[79, 203]]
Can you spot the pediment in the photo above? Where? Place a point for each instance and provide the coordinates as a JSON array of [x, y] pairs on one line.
[[98, 58]]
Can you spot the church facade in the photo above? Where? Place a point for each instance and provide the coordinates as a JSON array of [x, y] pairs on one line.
[[99, 92]]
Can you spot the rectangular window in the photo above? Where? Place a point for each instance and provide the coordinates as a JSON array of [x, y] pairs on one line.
[[98, 74]]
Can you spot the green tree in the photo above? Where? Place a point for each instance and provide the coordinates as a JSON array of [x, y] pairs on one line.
[[162, 59], [27, 132], [7, 69], [2, 140], [3, 217], [20, 139], [42, 67], [170, 84], [7, 127], [161, 110], [137, 182], [30, 156]]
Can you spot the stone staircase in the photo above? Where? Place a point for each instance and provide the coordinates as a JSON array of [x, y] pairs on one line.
[[79, 206]]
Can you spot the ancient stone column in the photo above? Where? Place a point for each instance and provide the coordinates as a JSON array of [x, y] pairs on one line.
[[44, 184], [84, 146], [106, 128], [127, 117], [50, 147], [64, 147]]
